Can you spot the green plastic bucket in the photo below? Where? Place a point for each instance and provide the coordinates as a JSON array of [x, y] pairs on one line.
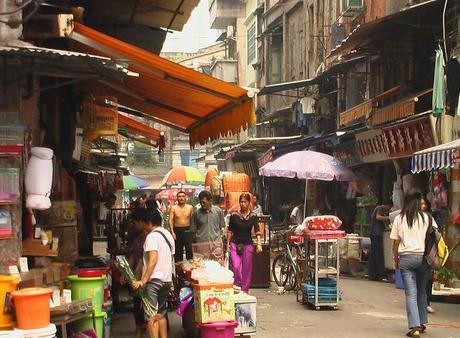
[[87, 323], [88, 288]]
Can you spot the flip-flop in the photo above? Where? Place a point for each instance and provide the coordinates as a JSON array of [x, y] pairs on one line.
[[422, 328]]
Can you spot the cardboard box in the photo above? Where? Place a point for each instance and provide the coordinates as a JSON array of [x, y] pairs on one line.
[[214, 303], [246, 314]]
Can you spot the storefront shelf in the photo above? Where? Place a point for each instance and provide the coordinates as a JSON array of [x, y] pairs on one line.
[[34, 247]]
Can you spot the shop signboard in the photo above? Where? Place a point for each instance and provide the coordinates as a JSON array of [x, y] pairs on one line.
[[265, 158], [405, 139], [346, 153], [371, 146]]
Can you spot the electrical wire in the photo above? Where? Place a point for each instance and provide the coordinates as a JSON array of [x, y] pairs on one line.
[[24, 5]]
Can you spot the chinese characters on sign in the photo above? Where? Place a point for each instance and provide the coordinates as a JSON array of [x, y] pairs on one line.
[[400, 140], [406, 138]]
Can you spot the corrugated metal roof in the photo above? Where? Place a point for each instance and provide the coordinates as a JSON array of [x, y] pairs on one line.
[[63, 62]]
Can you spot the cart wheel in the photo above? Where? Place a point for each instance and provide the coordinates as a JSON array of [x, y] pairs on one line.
[[336, 307], [299, 296], [317, 307]]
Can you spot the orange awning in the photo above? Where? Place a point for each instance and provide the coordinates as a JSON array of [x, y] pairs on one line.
[[138, 128], [190, 101]]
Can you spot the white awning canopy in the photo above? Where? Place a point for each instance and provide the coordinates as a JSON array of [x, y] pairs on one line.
[[436, 157]]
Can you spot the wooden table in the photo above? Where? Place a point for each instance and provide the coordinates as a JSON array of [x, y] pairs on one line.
[[66, 314]]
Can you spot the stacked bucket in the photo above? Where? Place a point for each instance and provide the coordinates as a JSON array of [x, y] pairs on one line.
[[32, 308], [89, 284]]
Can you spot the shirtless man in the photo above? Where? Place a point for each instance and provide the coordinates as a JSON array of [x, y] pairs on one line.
[[179, 223]]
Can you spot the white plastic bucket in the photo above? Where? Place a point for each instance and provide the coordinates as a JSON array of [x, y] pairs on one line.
[[10, 334], [46, 332]]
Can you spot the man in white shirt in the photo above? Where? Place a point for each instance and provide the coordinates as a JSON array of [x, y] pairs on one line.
[[157, 273], [297, 216]]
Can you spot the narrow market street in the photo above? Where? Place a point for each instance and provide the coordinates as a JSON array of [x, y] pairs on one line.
[[368, 309]]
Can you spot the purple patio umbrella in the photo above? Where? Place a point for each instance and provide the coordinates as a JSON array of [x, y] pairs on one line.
[[308, 165]]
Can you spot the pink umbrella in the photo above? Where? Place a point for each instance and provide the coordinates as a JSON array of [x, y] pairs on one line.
[[308, 165]]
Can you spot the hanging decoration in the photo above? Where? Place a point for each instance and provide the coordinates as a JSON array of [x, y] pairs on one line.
[[161, 143]]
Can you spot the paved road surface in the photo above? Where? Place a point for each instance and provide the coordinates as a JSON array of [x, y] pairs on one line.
[[368, 309]]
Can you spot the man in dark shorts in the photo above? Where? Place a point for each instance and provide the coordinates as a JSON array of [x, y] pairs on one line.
[[157, 272]]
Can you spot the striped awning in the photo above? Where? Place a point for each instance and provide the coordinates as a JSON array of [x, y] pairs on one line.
[[437, 157]]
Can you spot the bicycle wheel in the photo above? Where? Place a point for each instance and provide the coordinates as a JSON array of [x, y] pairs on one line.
[[280, 268], [291, 280]]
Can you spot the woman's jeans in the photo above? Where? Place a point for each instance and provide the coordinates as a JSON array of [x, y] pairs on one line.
[[242, 265], [415, 271]]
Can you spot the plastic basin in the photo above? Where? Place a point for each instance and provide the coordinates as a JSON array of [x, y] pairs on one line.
[[218, 329], [32, 307]]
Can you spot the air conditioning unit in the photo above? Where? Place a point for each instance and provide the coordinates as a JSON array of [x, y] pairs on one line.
[[352, 8]]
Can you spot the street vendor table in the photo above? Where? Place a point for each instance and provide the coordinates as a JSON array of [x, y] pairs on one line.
[[69, 313], [322, 287]]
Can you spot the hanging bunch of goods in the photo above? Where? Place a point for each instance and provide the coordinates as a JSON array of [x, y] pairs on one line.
[[128, 274], [38, 178], [438, 191]]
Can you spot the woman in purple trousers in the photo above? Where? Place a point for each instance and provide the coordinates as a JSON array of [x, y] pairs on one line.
[[239, 242]]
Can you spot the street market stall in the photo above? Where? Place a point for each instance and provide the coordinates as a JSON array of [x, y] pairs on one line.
[[310, 165]]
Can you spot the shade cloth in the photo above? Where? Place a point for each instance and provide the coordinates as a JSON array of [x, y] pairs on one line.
[[203, 106]]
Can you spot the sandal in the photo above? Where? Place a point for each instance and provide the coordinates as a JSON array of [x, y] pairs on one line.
[[414, 332], [422, 328]]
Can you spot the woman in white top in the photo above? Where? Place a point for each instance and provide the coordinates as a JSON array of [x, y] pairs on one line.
[[408, 234]]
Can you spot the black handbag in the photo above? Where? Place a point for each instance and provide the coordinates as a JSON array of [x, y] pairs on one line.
[[240, 249]]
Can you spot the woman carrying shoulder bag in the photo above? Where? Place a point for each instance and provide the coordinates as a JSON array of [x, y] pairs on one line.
[[408, 234], [239, 241]]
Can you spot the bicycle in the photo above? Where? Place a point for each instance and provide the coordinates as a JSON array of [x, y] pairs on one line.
[[286, 270]]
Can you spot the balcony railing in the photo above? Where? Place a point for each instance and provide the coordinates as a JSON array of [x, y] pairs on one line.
[[361, 110], [398, 110]]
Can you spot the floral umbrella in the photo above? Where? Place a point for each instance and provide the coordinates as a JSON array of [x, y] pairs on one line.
[[132, 182], [183, 175]]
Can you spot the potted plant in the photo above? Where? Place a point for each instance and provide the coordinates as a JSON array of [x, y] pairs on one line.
[[445, 276]]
